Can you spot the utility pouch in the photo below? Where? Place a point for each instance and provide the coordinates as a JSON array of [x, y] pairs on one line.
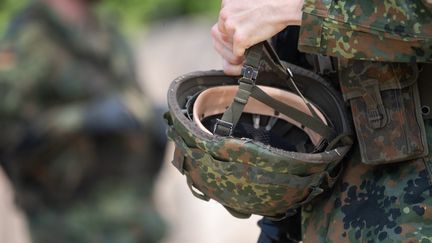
[[386, 109]]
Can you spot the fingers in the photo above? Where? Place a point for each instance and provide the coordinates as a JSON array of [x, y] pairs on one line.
[[231, 69], [239, 44], [224, 48], [232, 31], [227, 35], [232, 63], [227, 54], [226, 27]]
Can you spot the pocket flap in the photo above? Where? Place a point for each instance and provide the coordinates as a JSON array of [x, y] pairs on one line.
[[357, 82]]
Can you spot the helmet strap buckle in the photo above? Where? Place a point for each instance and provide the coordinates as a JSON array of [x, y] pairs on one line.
[[249, 73], [223, 128]]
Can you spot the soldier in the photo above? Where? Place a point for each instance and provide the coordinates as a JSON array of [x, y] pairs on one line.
[[78, 135], [382, 49]]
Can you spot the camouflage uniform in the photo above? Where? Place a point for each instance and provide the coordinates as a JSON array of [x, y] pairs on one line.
[[77, 132], [372, 203]]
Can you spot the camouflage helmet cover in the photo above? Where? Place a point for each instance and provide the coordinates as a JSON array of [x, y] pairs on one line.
[[245, 175]]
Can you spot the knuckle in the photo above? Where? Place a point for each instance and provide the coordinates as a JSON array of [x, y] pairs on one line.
[[239, 39], [234, 60], [230, 25], [225, 38], [223, 14]]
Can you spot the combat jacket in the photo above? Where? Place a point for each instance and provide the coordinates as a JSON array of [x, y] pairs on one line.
[[58, 79], [376, 30], [63, 90]]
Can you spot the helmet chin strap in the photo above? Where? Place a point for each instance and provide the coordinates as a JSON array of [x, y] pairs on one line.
[[214, 100], [230, 118], [257, 56]]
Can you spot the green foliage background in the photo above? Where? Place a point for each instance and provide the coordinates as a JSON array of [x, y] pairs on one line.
[[132, 14], [7, 9]]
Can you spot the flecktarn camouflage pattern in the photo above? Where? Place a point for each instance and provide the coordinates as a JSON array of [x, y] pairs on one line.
[[76, 132], [244, 175], [385, 105], [368, 29], [370, 203], [386, 203], [376, 203]]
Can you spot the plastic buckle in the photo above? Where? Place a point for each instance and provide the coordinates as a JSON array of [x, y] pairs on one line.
[[375, 118], [221, 123], [249, 72]]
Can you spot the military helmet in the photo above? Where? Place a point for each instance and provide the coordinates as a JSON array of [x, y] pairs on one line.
[[263, 143]]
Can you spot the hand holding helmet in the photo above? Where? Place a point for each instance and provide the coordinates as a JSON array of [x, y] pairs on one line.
[[243, 23], [260, 144]]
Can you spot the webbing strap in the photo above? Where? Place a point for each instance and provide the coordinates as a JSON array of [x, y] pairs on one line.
[[306, 120], [263, 52], [273, 61], [308, 104], [231, 116], [254, 55]]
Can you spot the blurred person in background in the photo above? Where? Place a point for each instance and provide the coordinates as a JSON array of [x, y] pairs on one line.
[[78, 135]]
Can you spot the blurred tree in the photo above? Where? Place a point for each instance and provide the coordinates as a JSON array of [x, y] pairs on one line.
[[131, 13]]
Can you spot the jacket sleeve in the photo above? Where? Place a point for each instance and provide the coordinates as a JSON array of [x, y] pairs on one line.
[[398, 31]]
